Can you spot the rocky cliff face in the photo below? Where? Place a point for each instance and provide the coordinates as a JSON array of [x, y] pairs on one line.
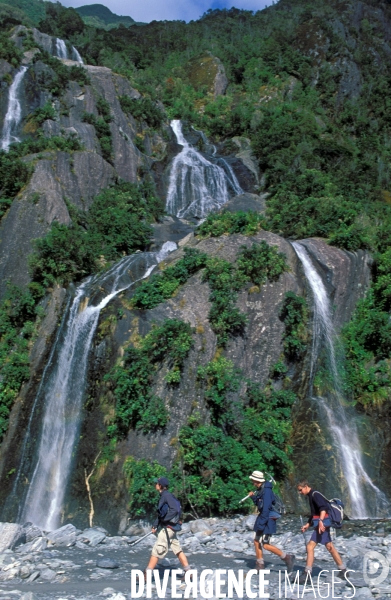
[[255, 352]]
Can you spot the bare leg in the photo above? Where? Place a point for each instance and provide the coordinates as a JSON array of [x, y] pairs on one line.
[[310, 553], [258, 550], [182, 559], [152, 562], [334, 553], [273, 549]]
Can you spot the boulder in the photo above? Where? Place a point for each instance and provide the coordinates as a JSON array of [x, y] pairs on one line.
[[92, 536], [10, 535], [107, 563], [48, 574], [32, 532], [200, 526], [246, 202], [64, 536], [207, 71], [249, 522]]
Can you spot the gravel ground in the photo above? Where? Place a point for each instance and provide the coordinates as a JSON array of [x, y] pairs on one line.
[[64, 565]]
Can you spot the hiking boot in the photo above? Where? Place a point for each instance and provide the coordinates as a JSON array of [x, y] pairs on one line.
[[341, 573], [259, 565], [303, 578], [182, 577], [289, 560]]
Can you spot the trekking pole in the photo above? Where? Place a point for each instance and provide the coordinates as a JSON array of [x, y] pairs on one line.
[[271, 478], [302, 524], [243, 499], [140, 539]]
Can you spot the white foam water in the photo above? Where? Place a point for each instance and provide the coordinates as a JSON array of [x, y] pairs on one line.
[[61, 48], [366, 500], [62, 391], [14, 112], [196, 186]]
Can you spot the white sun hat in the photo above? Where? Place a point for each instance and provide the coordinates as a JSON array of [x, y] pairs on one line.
[[257, 476]]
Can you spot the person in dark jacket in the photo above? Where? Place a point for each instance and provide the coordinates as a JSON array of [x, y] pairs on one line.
[[264, 526], [319, 507], [168, 521]]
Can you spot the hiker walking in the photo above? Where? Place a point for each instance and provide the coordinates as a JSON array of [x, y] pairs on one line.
[[168, 519], [265, 526], [320, 509]]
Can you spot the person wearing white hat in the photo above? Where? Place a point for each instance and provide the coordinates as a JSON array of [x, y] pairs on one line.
[[265, 526]]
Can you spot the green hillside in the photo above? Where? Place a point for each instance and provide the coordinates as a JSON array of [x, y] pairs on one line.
[[97, 15], [30, 11]]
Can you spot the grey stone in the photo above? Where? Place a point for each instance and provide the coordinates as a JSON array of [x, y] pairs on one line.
[[28, 596], [39, 544], [25, 571], [246, 202], [107, 563], [199, 526], [32, 531], [64, 536], [93, 536], [250, 522], [235, 545], [10, 534], [48, 574], [34, 575]]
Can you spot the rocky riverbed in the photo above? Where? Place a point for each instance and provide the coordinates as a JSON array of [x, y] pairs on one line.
[[70, 564]]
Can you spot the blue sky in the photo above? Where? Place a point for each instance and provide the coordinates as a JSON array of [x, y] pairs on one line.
[[149, 10]]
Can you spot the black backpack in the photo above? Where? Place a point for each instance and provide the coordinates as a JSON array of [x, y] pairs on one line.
[[174, 512], [336, 511]]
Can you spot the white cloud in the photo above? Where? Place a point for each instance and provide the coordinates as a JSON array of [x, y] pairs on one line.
[[160, 10]]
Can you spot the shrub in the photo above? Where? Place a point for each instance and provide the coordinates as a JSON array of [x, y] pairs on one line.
[[143, 109], [220, 377], [114, 225], [217, 224], [136, 406], [294, 313], [9, 52], [18, 313], [261, 262], [102, 127]]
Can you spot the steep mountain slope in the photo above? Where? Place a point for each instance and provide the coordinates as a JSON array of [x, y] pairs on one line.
[[100, 16], [294, 101]]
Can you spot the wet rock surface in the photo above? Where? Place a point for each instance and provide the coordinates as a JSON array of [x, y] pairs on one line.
[[83, 571]]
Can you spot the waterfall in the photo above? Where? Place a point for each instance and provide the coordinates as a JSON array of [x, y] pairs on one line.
[[14, 112], [76, 56], [366, 499], [196, 186], [63, 385], [61, 48]]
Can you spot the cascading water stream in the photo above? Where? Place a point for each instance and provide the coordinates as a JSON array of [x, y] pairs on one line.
[[14, 112], [196, 186], [63, 386], [76, 56], [61, 48], [365, 498]]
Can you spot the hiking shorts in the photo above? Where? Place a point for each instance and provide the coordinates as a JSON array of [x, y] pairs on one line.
[[321, 538], [263, 538], [161, 546]]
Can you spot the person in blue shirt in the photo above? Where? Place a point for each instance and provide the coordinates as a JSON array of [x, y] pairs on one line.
[[168, 520], [265, 526], [319, 507]]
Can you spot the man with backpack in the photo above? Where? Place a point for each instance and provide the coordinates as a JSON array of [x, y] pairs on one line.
[[265, 524], [168, 519], [321, 520]]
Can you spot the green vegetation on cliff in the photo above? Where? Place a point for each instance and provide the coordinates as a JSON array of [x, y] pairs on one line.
[[136, 406], [255, 264], [18, 315], [207, 475], [115, 225]]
